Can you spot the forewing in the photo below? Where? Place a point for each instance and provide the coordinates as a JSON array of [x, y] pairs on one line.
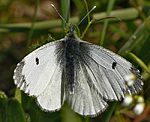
[[108, 71], [40, 71]]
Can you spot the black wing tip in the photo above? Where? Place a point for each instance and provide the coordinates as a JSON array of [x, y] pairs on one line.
[[137, 73]]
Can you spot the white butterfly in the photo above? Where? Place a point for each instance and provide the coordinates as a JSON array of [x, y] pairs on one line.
[[85, 75]]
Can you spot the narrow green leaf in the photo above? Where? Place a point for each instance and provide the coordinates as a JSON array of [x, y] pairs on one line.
[[109, 8], [139, 61], [15, 111], [125, 14], [18, 95], [69, 115], [3, 107], [32, 24], [146, 75], [106, 116], [65, 9], [139, 36], [87, 9]]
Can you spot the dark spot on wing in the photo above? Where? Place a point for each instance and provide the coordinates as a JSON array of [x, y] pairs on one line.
[[114, 64], [37, 61]]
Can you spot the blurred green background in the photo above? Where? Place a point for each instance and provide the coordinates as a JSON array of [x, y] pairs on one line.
[[28, 24]]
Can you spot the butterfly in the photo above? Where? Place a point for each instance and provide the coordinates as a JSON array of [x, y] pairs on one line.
[[85, 75]]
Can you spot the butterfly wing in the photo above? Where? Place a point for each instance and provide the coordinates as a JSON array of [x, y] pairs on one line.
[[39, 74], [86, 100], [100, 77]]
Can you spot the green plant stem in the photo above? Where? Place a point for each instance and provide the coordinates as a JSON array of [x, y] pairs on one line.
[[108, 113], [110, 6], [32, 24], [139, 35], [87, 27], [125, 14], [18, 95], [87, 10], [139, 61], [65, 9]]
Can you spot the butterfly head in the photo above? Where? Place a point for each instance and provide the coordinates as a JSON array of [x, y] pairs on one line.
[[71, 31]]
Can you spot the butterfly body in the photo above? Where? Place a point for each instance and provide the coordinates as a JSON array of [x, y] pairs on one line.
[[71, 52], [85, 75]]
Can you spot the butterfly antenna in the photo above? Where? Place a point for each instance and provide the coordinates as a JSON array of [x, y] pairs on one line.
[[87, 15], [59, 14]]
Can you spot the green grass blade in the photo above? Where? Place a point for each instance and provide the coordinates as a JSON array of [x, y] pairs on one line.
[[15, 111], [125, 14], [109, 111], [140, 35], [68, 115], [32, 24], [139, 61], [18, 95], [109, 8], [87, 9], [3, 107], [65, 9]]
